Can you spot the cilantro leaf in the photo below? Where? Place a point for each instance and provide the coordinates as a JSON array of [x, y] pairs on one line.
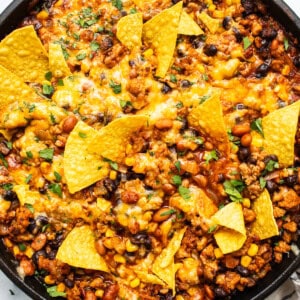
[[81, 56], [28, 178], [53, 292], [271, 165], [256, 125], [47, 89], [117, 88], [262, 182], [173, 78], [176, 179], [168, 212], [4, 161], [233, 188], [94, 46], [57, 176], [82, 135], [29, 206], [178, 165], [184, 192], [212, 155], [118, 4], [246, 42], [56, 189], [286, 44], [113, 164], [48, 76], [47, 153]]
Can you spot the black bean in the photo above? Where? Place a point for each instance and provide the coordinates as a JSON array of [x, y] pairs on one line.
[[270, 157], [131, 63], [262, 70], [42, 220], [186, 175], [142, 238], [268, 33], [242, 271], [110, 185], [69, 283], [271, 186], [237, 34], [197, 42], [249, 7], [296, 61], [36, 255], [181, 53], [32, 227], [219, 292], [175, 1], [291, 180], [106, 43], [166, 88], [185, 83], [52, 254], [243, 153], [252, 160], [210, 50], [10, 195], [54, 244], [132, 175], [167, 296], [221, 178], [226, 23], [184, 124]]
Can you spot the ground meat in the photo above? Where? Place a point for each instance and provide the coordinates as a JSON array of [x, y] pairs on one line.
[[290, 200]]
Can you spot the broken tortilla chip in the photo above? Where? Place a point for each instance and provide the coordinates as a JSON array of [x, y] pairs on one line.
[[279, 129], [57, 63], [129, 30], [78, 250], [83, 164], [113, 138], [208, 118], [25, 195], [160, 32], [232, 236], [188, 26], [265, 225], [210, 23], [23, 54]]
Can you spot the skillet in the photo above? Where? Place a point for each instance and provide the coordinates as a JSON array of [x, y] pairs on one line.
[[9, 19]]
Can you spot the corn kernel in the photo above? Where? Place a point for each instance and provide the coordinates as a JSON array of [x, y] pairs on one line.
[[218, 14], [179, 297], [131, 247], [16, 250], [129, 161], [218, 253], [148, 53], [286, 70], [135, 283], [49, 279], [160, 193], [45, 167], [61, 287], [109, 233], [201, 68], [42, 15], [29, 252], [113, 175], [99, 293], [59, 3], [119, 259], [8, 243], [246, 260], [253, 249], [128, 148], [212, 7], [246, 202]]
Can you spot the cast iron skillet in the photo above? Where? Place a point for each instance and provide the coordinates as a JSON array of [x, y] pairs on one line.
[[280, 272]]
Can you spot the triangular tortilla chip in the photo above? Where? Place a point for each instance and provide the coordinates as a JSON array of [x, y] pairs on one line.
[[113, 138], [208, 118], [265, 225], [25, 195], [161, 33], [22, 53], [57, 63], [229, 240], [210, 23], [129, 30], [279, 129], [83, 164], [78, 250], [188, 26]]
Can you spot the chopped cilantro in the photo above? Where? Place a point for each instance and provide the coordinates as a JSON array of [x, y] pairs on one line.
[[133, 11], [31, 108], [173, 78], [112, 164], [48, 76], [47, 153], [212, 155], [212, 229], [262, 182], [7, 186], [47, 89], [271, 165], [45, 227], [118, 4], [117, 88], [178, 165], [22, 247], [82, 135], [179, 104], [4, 161], [256, 125], [60, 82], [246, 42], [76, 36], [184, 192], [30, 207], [81, 56], [52, 118], [29, 154], [233, 188], [202, 99], [28, 178], [53, 292], [176, 179], [168, 212], [56, 189], [286, 44], [57, 176], [205, 77], [9, 145], [125, 103], [94, 46]]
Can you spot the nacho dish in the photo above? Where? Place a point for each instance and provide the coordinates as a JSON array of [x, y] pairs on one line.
[[149, 149]]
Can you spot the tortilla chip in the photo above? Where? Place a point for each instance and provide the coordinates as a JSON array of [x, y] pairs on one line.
[[25, 195], [57, 63], [113, 138], [148, 278], [161, 33], [163, 265], [13, 89], [208, 118], [129, 30], [265, 225], [22, 53], [279, 129], [232, 236], [188, 26], [78, 250], [82, 162], [210, 23]]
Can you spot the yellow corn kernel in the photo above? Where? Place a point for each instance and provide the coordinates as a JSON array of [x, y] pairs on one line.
[[113, 174], [119, 259], [219, 14], [42, 15], [201, 68], [160, 193], [4, 205], [212, 7], [131, 247], [16, 250], [8, 243], [179, 297], [246, 202], [148, 53], [59, 3], [253, 249], [286, 70], [135, 283], [61, 287], [99, 293], [218, 253], [45, 167], [29, 252], [109, 233], [129, 161], [49, 279], [245, 260]]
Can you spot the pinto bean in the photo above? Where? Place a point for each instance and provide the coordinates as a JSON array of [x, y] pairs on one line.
[[163, 214], [241, 129], [111, 292], [39, 242], [27, 267], [130, 197], [69, 124], [164, 124]]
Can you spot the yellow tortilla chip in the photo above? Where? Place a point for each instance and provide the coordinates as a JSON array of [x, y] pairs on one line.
[[148, 278], [265, 225], [232, 236], [113, 138], [57, 63], [210, 23], [22, 53], [161, 33], [25, 195], [129, 30], [82, 162], [78, 250], [13, 89], [279, 129], [188, 26], [208, 118]]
